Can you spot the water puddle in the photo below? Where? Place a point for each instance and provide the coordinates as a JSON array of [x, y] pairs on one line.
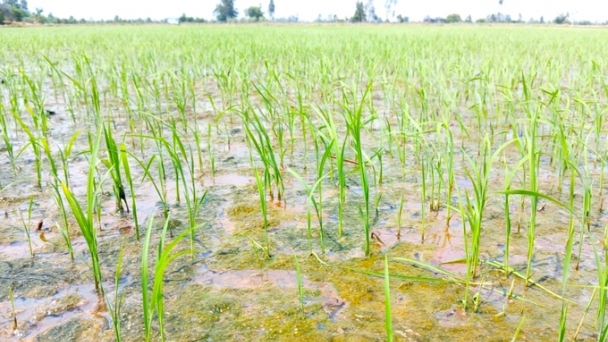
[[229, 180], [37, 316], [451, 318], [14, 250]]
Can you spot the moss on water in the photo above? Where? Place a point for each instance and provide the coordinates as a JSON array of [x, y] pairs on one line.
[[257, 315], [78, 329]]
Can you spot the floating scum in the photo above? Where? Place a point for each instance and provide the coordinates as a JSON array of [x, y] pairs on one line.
[[400, 182]]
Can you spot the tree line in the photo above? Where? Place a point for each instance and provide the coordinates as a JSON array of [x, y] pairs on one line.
[[15, 10], [225, 11], [366, 12]]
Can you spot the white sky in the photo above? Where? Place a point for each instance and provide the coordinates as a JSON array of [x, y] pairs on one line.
[[594, 10]]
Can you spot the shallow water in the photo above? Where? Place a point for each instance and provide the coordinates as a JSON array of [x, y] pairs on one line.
[[229, 288]]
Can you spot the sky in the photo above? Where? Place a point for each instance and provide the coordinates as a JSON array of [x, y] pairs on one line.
[[308, 10]]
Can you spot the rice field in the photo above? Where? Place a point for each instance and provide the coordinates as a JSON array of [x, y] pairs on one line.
[[289, 183]]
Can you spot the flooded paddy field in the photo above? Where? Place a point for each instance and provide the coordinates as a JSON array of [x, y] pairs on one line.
[[289, 183]]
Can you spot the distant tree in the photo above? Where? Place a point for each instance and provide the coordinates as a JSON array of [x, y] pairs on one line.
[[542, 20], [388, 5], [271, 9], [561, 19], [38, 14], [468, 19], [370, 11], [17, 14], [453, 18], [225, 10], [402, 19], [7, 14], [1, 17], [254, 12], [359, 16], [23, 5], [12, 11], [186, 19]]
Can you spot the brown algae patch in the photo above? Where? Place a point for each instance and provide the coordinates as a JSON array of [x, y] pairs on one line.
[[419, 306], [281, 279], [246, 217], [255, 314], [79, 329]]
